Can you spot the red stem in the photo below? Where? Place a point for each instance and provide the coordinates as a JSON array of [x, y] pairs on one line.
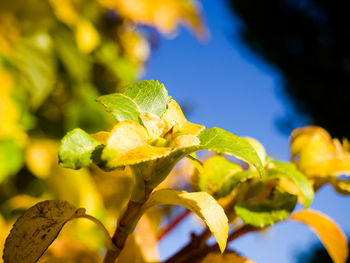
[[163, 232]]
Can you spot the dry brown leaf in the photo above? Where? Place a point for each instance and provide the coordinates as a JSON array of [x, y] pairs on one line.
[[36, 229]]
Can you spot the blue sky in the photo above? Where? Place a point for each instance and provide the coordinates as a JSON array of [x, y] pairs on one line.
[[231, 88]]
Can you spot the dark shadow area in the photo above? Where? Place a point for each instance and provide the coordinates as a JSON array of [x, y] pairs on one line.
[[308, 41]]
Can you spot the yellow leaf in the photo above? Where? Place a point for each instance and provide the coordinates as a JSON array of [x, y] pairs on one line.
[[174, 119], [86, 36], [226, 257], [153, 124], [165, 15], [200, 203], [316, 154], [128, 145], [328, 231], [184, 141], [36, 229], [101, 137]]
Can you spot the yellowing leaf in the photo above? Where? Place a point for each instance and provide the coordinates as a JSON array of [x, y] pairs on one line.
[[316, 154], [101, 137], [202, 204], [36, 229], [86, 36], [127, 145], [229, 256], [175, 119], [328, 231], [153, 124]]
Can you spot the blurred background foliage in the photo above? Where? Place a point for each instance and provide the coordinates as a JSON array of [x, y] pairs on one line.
[[56, 57]]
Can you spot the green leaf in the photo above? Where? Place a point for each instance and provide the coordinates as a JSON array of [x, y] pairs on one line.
[[266, 212], [201, 203], [135, 99], [221, 141], [229, 183], [122, 107], [149, 95], [289, 171], [76, 149], [214, 170]]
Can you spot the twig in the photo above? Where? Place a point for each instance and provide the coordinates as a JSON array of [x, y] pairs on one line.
[[122, 232]]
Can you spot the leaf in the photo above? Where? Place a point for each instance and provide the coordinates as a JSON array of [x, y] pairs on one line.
[[214, 170], [221, 141], [76, 149], [317, 154], [266, 212], [135, 99], [289, 171], [128, 145], [259, 148], [122, 107], [228, 256], [328, 231], [36, 229], [200, 203], [229, 183]]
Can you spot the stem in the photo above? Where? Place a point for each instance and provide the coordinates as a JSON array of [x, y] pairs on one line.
[[123, 230], [163, 232]]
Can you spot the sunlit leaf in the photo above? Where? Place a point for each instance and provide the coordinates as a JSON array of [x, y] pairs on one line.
[[266, 212], [76, 149], [202, 204], [328, 231], [221, 141], [289, 171], [36, 229], [316, 154], [135, 99], [128, 145], [228, 256], [122, 107], [259, 148]]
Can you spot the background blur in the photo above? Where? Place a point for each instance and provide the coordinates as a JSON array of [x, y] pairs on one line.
[[237, 65]]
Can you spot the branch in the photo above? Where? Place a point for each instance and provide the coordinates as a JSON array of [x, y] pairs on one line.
[[195, 250], [122, 232]]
